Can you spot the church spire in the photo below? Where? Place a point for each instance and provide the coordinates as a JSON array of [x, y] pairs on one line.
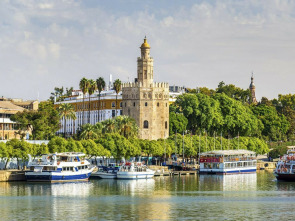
[[252, 91]]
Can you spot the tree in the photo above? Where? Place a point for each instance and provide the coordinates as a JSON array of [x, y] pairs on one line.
[[100, 83], [43, 123], [89, 131], [66, 111], [59, 94], [91, 89], [57, 145], [84, 85], [275, 126], [177, 123], [126, 126], [234, 92], [238, 118], [117, 87]]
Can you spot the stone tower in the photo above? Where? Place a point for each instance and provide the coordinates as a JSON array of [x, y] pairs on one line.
[[252, 90], [146, 101]]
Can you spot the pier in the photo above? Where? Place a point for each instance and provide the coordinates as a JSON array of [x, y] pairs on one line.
[[12, 175]]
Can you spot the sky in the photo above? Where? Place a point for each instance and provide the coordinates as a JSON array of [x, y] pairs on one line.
[[55, 43]]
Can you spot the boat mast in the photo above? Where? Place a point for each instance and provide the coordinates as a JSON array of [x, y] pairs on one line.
[[199, 146], [238, 140], [183, 146], [214, 140], [221, 139]]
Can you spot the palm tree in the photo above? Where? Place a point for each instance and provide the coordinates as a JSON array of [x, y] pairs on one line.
[[100, 83], [117, 87], [108, 126], [83, 85], [91, 89], [88, 131], [126, 126], [66, 111]]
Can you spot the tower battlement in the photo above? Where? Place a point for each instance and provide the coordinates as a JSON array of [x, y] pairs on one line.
[[139, 84]]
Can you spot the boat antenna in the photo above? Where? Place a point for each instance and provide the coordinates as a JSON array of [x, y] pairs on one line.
[[221, 139], [238, 140], [183, 146], [206, 139], [228, 141], [214, 140], [199, 146]]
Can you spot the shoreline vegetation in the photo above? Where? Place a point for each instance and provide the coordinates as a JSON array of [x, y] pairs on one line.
[[198, 121]]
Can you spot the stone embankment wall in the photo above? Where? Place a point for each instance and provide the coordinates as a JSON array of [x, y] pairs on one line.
[[266, 165], [12, 175]]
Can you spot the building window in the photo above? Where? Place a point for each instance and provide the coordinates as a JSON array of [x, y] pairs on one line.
[[145, 124], [145, 104], [166, 125], [134, 104], [121, 112], [158, 104], [120, 104], [113, 104], [113, 113]]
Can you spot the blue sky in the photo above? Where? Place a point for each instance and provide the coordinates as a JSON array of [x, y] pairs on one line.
[[44, 44]]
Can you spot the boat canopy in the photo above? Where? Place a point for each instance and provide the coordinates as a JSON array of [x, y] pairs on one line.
[[228, 152], [71, 154]]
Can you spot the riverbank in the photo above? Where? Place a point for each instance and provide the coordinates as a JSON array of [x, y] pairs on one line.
[[12, 175]]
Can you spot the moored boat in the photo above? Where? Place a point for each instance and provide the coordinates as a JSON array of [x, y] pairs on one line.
[[59, 167], [135, 171], [285, 169], [228, 162], [109, 172]]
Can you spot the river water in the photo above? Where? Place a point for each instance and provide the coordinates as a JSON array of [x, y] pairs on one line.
[[195, 197]]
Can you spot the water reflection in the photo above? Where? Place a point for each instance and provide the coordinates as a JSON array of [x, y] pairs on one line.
[[232, 197]]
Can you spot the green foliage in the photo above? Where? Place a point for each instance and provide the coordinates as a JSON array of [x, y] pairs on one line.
[[275, 125], [60, 95], [177, 122], [44, 122], [234, 92]]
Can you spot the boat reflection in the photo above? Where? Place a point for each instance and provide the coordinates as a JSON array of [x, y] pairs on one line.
[[234, 182]]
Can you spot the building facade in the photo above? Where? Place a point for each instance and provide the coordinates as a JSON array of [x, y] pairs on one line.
[[104, 110], [146, 101]]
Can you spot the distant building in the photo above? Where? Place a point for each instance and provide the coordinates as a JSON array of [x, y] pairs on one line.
[[107, 109], [252, 90], [146, 101], [8, 128]]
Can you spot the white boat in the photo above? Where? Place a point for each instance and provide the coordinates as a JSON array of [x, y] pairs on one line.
[[228, 162], [109, 172], [59, 167], [135, 171]]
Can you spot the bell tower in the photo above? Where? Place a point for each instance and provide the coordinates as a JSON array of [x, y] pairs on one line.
[[252, 91], [145, 65]]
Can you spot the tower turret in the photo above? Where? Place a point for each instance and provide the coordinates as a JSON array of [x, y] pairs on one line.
[[252, 90], [145, 65]]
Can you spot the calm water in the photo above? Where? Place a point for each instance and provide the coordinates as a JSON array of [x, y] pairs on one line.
[[206, 197]]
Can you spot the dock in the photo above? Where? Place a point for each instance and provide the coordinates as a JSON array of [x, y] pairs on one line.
[[12, 175]]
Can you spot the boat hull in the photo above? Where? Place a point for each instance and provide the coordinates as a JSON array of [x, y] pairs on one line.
[[285, 177], [135, 175], [103, 175], [52, 177], [228, 171]]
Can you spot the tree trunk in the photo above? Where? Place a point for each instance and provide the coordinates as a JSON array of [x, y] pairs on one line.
[[7, 161], [83, 111], [65, 127], [89, 109], [98, 106], [116, 103]]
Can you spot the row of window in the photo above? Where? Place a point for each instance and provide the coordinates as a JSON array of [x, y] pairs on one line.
[[146, 124], [146, 104], [95, 105], [147, 95]]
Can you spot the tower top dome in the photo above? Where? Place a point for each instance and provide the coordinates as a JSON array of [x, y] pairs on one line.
[[145, 44]]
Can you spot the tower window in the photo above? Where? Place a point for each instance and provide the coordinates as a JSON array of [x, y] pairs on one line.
[[145, 124], [158, 104], [125, 104], [166, 104], [134, 104], [166, 125], [146, 104]]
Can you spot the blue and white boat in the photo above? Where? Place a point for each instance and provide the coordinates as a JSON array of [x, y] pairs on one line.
[[107, 172], [59, 167], [135, 171], [228, 162]]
